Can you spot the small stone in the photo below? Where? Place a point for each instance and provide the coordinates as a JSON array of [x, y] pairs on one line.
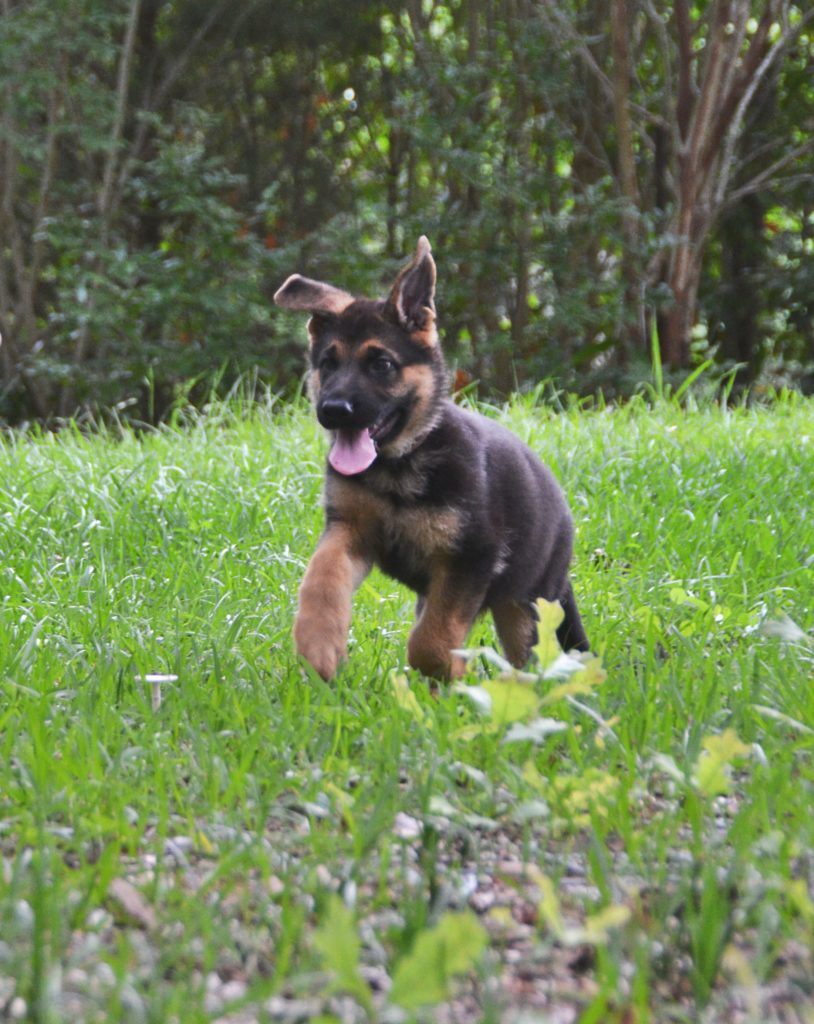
[[481, 901], [233, 990], [406, 826], [24, 914]]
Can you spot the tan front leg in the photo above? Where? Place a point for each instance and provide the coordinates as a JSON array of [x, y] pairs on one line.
[[444, 623], [323, 617]]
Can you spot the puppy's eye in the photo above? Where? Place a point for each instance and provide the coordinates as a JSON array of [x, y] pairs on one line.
[[382, 365], [328, 363]]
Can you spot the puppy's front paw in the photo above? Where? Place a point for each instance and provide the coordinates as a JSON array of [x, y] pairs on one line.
[[433, 657], [321, 646]]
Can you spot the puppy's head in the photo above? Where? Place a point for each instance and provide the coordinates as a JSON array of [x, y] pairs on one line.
[[376, 370]]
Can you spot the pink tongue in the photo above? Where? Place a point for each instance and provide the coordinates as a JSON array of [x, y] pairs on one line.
[[353, 451]]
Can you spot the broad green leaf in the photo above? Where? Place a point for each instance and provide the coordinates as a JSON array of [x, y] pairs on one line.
[[338, 941], [549, 616], [464, 939], [511, 701], [712, 769], [452, 947], [726, 746], [536, 731], [562, 667], [582, 682], [649, 620], [479, 697]]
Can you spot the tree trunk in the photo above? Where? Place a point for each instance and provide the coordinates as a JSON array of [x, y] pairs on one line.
[[679, 319], [107, 199], [689, 227], [709, 118], [631, 332]]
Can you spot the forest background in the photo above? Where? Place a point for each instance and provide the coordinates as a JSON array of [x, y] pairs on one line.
[[597, 179]]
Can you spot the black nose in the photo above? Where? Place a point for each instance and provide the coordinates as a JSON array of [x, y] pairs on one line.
[[335, 413]]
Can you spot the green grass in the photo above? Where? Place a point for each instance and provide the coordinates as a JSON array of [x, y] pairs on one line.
[[195, 862]]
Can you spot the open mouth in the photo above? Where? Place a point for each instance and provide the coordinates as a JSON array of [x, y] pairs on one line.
[[385, 427], [354, 449]]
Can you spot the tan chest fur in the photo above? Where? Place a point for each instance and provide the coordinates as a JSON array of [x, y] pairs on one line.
[[381, 524]]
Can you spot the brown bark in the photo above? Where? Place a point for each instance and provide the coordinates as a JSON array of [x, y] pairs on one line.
[[709, 116], [20, 271], [632, 335], [679, 319], [684, 99], [107, 201]]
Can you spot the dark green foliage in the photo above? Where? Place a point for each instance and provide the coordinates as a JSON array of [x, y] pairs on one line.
[[166, 165]]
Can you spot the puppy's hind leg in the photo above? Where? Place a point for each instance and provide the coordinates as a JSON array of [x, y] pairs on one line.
[[516, 627]]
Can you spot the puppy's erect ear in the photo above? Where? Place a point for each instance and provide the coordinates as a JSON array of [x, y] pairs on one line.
[[413, 293], [312, 296]]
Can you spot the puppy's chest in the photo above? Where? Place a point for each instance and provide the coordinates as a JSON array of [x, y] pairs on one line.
[[404, 538]]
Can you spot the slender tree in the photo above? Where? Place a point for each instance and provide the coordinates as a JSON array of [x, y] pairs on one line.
[[743, 48], [709, 64]]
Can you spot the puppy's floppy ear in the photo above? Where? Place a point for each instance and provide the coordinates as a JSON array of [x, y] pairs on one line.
[[312, 296], [413, 293]]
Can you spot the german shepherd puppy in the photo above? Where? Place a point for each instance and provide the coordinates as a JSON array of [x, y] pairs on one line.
[[446, 501]]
